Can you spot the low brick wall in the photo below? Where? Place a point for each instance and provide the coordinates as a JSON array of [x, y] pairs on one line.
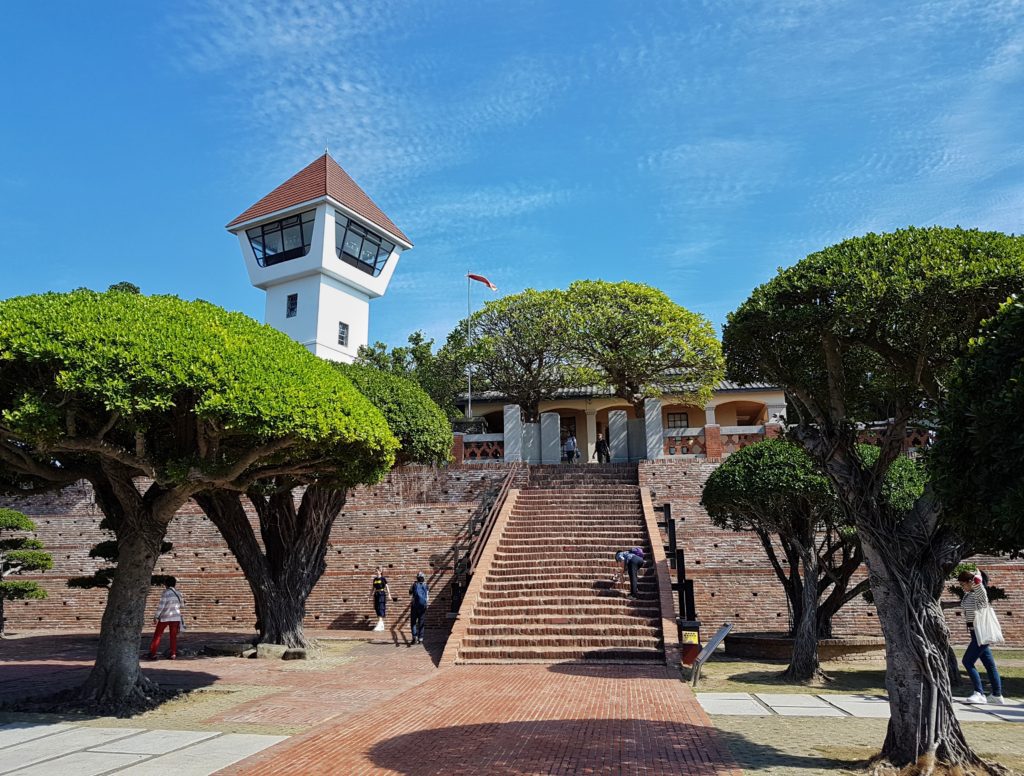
[[413, 521], [763, 646], [734, 582]]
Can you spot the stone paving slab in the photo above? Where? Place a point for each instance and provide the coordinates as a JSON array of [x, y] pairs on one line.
[[19, 732], [81, 764], [206, 757], [797, 700], [155, 742], [61, 743], [834, 705], [731, 703], [804, 711]]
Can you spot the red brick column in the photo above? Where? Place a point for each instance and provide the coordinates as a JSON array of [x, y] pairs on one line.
[[458, 449], [713, 442]]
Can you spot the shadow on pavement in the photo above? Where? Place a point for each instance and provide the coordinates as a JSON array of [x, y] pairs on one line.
[[550, 746]]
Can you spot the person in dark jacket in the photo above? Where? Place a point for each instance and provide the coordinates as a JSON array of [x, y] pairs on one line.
[[601, 450], [631, 560], [419, 594]]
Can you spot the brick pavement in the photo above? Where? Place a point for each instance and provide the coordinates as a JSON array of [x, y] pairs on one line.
[[515, 719]]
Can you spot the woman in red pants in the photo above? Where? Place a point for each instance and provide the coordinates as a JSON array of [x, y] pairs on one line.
[[168, 615]]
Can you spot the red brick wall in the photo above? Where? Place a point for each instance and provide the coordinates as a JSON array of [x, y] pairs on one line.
[[733, 580], [413, 521]]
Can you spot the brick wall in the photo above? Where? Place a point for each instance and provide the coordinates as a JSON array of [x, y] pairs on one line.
[[414, 520], [733, 580]]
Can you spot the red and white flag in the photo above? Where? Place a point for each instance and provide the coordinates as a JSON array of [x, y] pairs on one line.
[[482, 279]]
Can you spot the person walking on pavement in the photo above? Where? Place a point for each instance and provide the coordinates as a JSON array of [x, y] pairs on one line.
[[975, 599], [381, 593], [604, 455], [168, 617], [420, 594], [570, 449]]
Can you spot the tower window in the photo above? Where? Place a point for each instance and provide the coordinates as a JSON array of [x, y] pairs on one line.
[[358, 246], [291, 307], [343, 334], [288, 238]]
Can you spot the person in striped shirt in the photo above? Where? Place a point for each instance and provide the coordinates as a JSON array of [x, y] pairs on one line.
[[976, 598]]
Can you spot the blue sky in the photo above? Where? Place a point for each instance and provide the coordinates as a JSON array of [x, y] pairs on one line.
[[693, 146]]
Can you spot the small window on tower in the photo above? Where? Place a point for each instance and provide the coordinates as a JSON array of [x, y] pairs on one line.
[[678, 420], [343, 334], [292, 307]]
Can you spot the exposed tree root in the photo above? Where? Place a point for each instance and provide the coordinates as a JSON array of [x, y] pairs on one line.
[[145, 696], [818, 679], [928, 765]]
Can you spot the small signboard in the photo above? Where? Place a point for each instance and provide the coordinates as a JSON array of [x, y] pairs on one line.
[[708, 650], [690, 637]]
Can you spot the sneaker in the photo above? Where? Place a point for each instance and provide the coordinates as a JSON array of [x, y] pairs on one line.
[[976, 698], [997, 700]]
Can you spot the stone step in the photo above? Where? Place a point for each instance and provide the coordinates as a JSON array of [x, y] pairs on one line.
[[565, 571], [552, 546], [498, 598], [548, 642], [594, 608], [575, 630], [596, 555], [559, 655], [595, 620]]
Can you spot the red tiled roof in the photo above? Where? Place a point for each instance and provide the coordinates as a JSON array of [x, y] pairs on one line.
[[324, 177]]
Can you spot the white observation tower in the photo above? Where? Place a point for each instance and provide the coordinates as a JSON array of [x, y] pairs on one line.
[[321, 249]]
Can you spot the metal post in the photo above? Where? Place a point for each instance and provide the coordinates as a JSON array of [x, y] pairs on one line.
[[469, 342], [670, 528]]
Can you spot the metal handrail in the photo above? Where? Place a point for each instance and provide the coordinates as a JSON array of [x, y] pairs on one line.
[[490, 520]]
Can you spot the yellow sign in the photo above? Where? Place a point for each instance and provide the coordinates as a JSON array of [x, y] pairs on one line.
[[690, 637]]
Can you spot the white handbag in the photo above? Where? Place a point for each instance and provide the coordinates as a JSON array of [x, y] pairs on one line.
[[986, 627]]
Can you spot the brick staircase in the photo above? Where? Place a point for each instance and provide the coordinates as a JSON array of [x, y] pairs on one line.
[[546, 595]]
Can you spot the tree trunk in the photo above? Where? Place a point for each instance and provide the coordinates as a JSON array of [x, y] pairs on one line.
[[804, 665], [282, 575], [116, 677]]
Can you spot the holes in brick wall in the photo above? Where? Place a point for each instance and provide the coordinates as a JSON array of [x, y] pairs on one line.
[[754, 594]]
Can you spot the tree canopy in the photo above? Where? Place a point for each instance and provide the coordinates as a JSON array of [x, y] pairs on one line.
[[520, 348], [442, 374], [154, 400], [866, 331], [638, 341], [422, 429], [979, 454]]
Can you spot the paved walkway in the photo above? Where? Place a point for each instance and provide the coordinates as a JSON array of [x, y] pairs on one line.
[[521, 719], [827, 705], [360, 708], [63, 749]]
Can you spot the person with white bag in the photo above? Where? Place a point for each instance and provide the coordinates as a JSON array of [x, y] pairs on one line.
[[984, 629]]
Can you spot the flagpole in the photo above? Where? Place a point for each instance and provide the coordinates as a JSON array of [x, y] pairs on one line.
[[469, 342]]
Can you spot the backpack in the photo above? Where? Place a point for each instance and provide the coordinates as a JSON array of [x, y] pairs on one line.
[[638, 551], [419, 594]]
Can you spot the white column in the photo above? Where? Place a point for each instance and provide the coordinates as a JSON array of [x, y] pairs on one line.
[[709, 415], [618, 435], [550, 438], [654, 430], [513, 433], [591, 435]]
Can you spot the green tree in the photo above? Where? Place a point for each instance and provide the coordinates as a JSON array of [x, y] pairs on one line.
[[638, 341], [775, 490], [153, 400], [865, 331], [442, 375], [979, 456], [519, 348], [19, 554], [296, 513]]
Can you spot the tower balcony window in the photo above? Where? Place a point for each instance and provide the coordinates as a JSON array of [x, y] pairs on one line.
[[288, 238], [358, 246]]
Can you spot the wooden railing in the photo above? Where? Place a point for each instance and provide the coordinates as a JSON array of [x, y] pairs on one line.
[[492, 515]]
